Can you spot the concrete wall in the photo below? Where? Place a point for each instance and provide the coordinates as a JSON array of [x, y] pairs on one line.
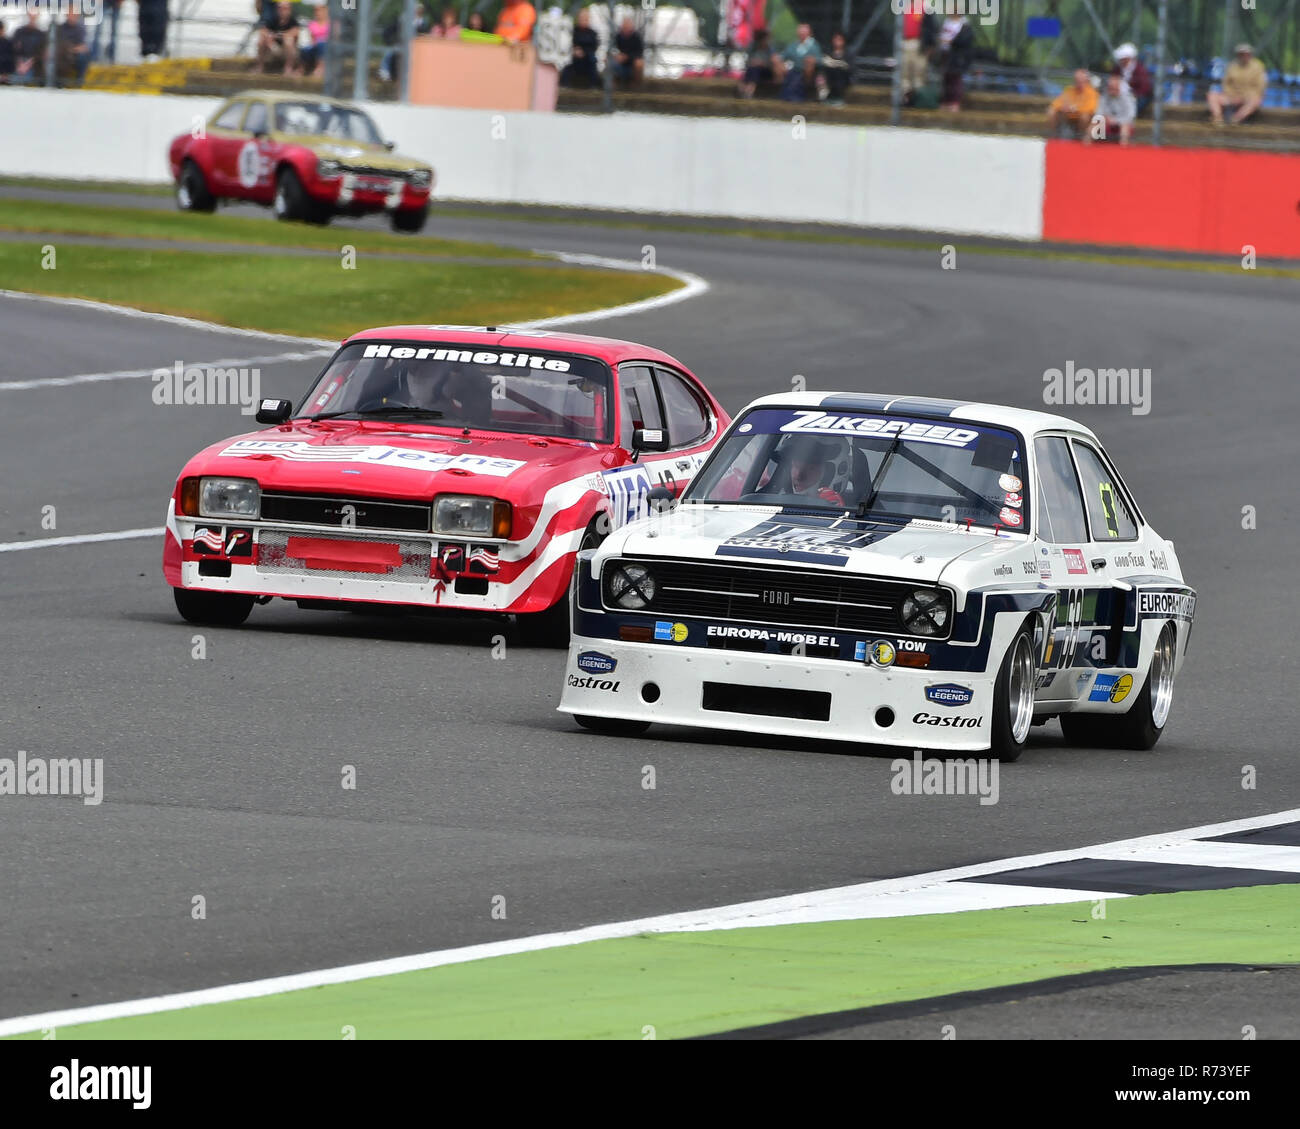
[[874, 177]]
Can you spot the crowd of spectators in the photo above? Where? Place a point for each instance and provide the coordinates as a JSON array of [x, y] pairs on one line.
[[802, 72], [626, 61]]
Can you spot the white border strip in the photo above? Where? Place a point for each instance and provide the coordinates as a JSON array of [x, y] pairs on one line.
[[135, 374], [81, 539], [692, 287], [724, 917]]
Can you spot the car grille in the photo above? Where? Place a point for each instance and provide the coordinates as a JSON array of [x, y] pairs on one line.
[[387, 174], [771, 595], [367, 513], [411, 565]]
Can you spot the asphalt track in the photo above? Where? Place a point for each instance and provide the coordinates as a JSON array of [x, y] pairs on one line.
[[223, 775]]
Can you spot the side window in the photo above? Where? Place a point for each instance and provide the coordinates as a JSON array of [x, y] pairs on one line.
[[256, 120], [638, 404], [1108, 513], [230, 117], [1060, 509], [688, 418]]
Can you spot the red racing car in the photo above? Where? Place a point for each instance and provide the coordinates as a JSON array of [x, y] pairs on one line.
[[309, 157], [438, 467]]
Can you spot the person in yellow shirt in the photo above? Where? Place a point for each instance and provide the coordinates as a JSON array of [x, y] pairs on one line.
[[515, 23], [1244, 84], [1074, 107]]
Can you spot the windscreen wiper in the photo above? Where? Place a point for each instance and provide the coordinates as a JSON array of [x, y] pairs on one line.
[[385, 412]]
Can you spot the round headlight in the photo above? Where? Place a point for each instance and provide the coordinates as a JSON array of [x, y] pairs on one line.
[[327, 169], [632, 586], [926, 612]]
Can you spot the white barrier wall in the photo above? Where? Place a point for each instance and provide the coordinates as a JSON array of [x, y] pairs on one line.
[[929, 180]]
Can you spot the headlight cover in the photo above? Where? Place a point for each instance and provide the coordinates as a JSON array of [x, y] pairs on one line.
[[927, 611], [327, 169], [632, 586], [229, 497], [464, 515], [421, 178]]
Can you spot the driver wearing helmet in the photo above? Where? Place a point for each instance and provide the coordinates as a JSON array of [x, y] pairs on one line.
[[808, 457]]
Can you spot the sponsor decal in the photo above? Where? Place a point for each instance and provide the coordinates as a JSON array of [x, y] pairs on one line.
[[1074, 562], [949, 694], [1045, 567], [1009, 482], [777, 538], [222, 541], [1005, 570], [483, 561], [1015, 501], [1130, 560], [593, 683], [452, 558], [913, 431], [1174, 604], [882, 653], [629, 491], [671, 632], [1159, 560], [593, 662], [1111, 688], [1030, 567], [401, 458], [950, 720], [1081, 681], [1044, 680], [745, 427], [1010, 517], [912, 645], [467, 357], [726, 631]]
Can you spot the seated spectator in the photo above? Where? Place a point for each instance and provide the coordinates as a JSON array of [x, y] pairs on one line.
[[835, 71], [956, 45], [759, 66], [447, 27], [1131, 69], [516, 21], [1115, 114], [29, 52], [72, 49], [1244, 84], [6, 56], [796, 69], [1073, 109], [475, 22], [277, 39], [629, 53], [318, 28], [581, 70]]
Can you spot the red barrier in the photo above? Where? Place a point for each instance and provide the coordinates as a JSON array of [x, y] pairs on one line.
[[1213, 200]]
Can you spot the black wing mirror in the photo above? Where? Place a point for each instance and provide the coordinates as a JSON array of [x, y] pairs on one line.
[[274, 411], [390, 145], [661, 499], [649, 439]]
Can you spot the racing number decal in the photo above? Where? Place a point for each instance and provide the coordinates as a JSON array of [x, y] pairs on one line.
[[252, 166], [1069, 626], [1108, 504]]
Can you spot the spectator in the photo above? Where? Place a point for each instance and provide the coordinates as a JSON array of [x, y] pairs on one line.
[[72, 48], [475, 21], [515, 23], [1116, 111], [581, 70], [6, 56], [109, 11], [919, 38], [277, 39], [152, 18], [760, 67], [629, 53], [29, 52], [391, 33], [956, 42], [797, 66], [1131, 69], [835, 71], [447, 27], [1244, 84], [1072, 110], [318, 29]]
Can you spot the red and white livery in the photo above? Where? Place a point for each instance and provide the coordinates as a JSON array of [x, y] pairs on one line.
[[438, 467]]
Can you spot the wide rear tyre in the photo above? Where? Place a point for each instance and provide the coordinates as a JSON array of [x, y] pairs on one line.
[[212, 609], [611, 726], [192, 193], [1013, 699], [1140, 728], [409, 219]]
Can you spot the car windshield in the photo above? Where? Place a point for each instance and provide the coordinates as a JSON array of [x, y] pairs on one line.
[[880, 465], [326, 119], [533, 393]]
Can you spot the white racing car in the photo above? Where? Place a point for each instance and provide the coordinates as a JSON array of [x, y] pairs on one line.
[[894, 570]]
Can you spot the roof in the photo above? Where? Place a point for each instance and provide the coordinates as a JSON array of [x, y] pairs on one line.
[[291, 96], [610, 349], [1021, 419]]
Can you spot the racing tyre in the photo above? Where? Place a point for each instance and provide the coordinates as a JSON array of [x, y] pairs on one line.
[[1013, 699], [291, 202], [611, 726], [409, 219], [551, 627], [1141, 726], [192, 193], [212, 609]]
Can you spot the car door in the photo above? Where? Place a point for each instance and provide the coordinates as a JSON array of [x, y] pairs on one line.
[[638, 407], [256, 156], [225, 136], [691, 425], [1083, 597]]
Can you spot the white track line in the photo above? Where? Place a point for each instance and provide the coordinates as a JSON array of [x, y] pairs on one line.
[[135, 374], [692, 286], [81, 539], [843, 903]]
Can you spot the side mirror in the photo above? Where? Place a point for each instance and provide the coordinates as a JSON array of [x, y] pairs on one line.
[[661, 499], [390, 145], [274, 411], [649, 439], [258, 134]]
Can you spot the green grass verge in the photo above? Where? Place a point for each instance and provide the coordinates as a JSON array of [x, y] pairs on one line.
[[685, 984], [315, 298], [54, 184], [108, 220]]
